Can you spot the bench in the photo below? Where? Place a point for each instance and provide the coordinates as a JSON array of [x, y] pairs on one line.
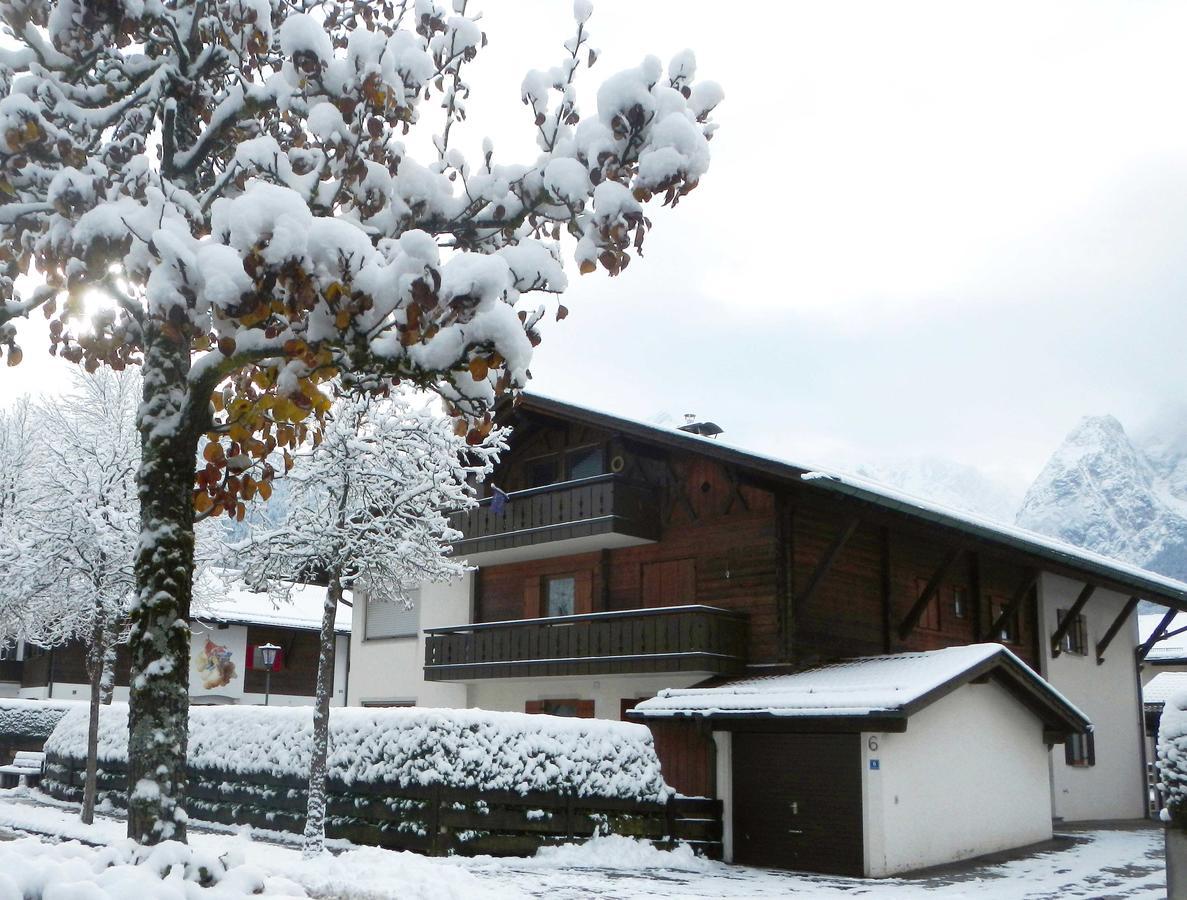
[[25, 770]]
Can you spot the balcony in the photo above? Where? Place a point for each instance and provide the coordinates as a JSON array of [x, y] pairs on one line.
[[665, 639], [581, 516]]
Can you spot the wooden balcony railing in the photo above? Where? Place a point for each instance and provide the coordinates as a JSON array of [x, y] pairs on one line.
[[603, 505], [662, 639]]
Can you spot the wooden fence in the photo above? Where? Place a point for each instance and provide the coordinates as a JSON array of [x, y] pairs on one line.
[[434, 820]]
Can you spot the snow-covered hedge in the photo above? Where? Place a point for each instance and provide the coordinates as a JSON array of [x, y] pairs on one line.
[[34, 718], [1172, 759], [457, 748]]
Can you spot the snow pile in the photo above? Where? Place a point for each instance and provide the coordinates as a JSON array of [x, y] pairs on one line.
[[616, 851], [1172, 758], [168, 871], [33, 718], [459, 748]]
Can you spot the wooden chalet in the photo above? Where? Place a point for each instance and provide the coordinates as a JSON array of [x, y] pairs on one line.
[[617, 558]]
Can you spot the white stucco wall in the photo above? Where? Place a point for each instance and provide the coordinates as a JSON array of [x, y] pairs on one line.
[[392, 669], [607, 691], [1108, 694], [968, 777]]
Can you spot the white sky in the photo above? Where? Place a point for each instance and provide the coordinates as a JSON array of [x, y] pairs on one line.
[[930, 228]]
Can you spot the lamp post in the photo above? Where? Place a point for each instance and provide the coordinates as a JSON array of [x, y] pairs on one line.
[[268, 658]]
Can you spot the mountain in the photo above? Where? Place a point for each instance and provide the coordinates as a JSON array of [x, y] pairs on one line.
[[1106, 492], [946, 483]]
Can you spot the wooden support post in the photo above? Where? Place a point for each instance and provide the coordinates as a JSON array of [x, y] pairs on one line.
[[1103, 645], [886, 590], [933, 586], [1020, 594], [825, 564], [1066, 623], [977, 596], [1156, 635], [785, 574]]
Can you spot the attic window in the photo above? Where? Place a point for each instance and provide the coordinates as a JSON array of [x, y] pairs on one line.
[[960, 602], [1076, 639]]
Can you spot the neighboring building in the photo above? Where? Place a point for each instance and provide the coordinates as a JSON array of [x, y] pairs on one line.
[[859, 759], [225, 666], [628, 558]]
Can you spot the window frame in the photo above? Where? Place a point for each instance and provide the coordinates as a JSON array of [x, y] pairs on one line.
[[1075, 640], [960, 601]]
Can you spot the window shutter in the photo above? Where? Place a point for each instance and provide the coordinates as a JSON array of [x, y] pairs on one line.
[[531, 598], [1069, 749], [391, 619], [1090, 746]]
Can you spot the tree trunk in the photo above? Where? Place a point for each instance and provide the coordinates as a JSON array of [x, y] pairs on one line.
[[315, 816], [160, 632], [96, 655]]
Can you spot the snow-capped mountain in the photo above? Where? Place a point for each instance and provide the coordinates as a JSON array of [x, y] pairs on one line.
[[946, 483], [1106, 492]]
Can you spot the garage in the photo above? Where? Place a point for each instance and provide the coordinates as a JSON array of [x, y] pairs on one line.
[[881, 765], [810, 785]]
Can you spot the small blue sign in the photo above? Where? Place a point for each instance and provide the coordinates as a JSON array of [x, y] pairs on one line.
[[875, 764]]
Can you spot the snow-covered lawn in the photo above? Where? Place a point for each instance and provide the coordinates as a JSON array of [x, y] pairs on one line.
[[1098, 864]]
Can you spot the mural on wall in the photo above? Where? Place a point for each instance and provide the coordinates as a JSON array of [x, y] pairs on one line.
[[217, 661]]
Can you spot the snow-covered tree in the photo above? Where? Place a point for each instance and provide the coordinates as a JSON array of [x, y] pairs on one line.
[[369, 509], [68, 575], [230, 178]]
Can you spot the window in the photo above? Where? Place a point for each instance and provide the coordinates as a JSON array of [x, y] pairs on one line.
[[388, 704], [1076, 638], [392, 619], [930, 620], [542, 471], [573, 708], [960, 602], [560, 595], [1008, 633], [1080, 750], [584, 463]]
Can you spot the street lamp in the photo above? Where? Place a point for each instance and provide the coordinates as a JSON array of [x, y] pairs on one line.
[[268, 658]]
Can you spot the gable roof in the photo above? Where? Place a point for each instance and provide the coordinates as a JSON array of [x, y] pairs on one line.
[[1162, 687], [1114, 573], [881, 688], [234, 603]]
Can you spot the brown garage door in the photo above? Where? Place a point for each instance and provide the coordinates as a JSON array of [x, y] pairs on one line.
[[797, 801]]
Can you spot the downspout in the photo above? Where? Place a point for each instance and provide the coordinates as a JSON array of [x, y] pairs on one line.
[[1137, 674]]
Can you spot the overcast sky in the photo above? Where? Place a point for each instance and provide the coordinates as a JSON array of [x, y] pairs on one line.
[[935, 228]]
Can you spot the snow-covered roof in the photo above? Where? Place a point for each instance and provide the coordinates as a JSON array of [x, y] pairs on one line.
[[1163, 686], [893, 686], [1171, 649], [234, 603], [1134, 578]]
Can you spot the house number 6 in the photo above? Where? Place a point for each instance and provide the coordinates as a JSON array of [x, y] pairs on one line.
[[872, 743]]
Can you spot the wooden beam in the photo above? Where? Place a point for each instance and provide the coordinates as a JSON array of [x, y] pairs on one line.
[[977, 596], [1011, 608], [826, 563], [732, 477], [1101, 647], [1066, 623], [785, 572], [887, 590], [933, 586], [1156, 635], [676, 486]]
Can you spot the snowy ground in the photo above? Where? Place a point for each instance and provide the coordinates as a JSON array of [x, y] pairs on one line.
[[1096, 864]]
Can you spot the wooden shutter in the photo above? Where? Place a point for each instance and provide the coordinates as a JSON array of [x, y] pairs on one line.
[[672, 582], [531, 598]]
